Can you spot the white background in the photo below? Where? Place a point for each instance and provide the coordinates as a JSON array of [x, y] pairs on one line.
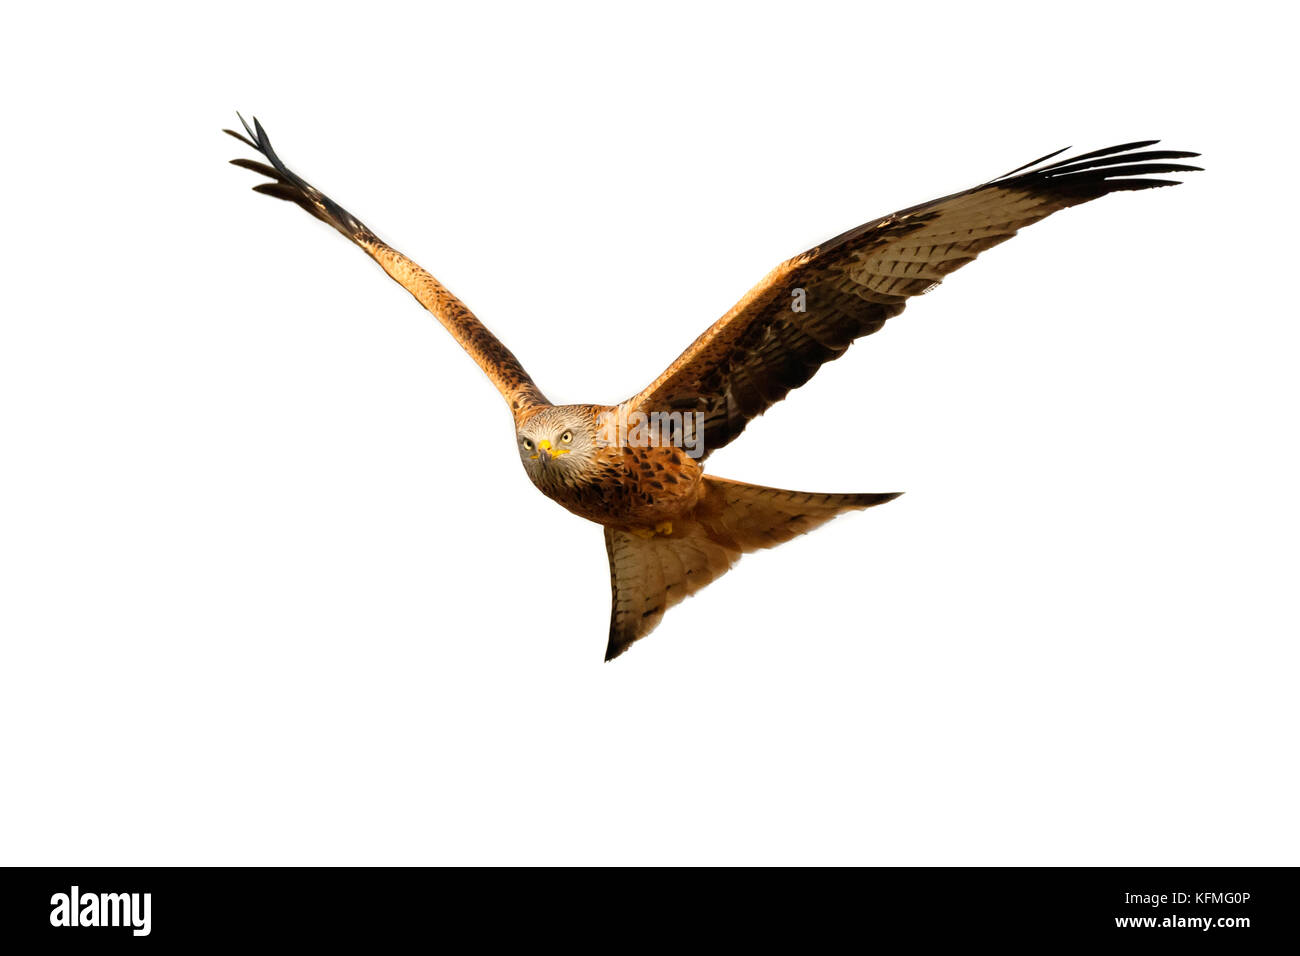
[[275, 589]]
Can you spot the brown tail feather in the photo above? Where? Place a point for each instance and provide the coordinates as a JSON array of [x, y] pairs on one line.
[[652, 570]]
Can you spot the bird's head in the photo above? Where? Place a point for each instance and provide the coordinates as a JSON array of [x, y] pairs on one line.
[[557, 443]]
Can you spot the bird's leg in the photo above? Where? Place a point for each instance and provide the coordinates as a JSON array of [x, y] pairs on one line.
[[663, 527]]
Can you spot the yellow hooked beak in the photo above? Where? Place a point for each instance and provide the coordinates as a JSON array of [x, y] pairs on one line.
[[545, 446]]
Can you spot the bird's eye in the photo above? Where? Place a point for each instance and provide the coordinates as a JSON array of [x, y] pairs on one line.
[[528, 445], [566, 437]]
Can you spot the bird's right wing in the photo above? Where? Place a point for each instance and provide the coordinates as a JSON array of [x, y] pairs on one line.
[[483, 347]]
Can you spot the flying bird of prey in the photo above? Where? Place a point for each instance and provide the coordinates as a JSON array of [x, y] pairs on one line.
[[637, 468]]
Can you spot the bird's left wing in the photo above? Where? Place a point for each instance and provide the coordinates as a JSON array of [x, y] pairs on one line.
[[808, 310], [483, 347]]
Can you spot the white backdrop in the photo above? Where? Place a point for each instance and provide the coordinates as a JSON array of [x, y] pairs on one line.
[[277, 591]]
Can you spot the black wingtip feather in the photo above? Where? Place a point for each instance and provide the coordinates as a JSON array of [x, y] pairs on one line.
[[241, 137], [1040, 159], [256, 167], [1113, 161], [1108, 151], [1093, 174]]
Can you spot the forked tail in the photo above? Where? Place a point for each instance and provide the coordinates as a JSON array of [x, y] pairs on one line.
[[653, 569]]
